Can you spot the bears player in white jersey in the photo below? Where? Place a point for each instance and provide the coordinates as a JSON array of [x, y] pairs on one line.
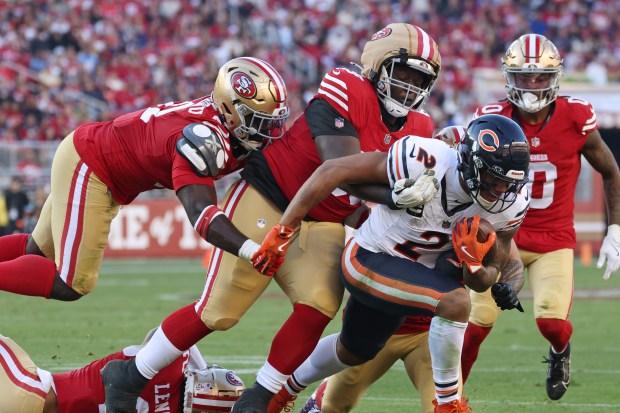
[[351, 112], [560, 129], [388, 266]]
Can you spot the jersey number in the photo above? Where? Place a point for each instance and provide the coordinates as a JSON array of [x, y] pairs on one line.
[[541, 184], [161, 110], [409, 248]]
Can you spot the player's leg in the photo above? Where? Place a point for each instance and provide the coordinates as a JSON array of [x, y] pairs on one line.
[[23, 387], [551, 278], [417, 361], [345, 389], [232, 286], [310, 278], [62, 258], [484, 313]]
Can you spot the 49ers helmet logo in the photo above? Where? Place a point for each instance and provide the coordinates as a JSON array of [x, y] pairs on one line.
[[243, 85], [233, 379], [488, 140], [385, 32]]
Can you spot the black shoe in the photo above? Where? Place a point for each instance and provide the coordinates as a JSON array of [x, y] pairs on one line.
[[122, 383], [558, 373], [253, 400]]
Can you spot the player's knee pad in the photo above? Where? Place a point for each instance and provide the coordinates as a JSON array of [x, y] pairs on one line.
[[484, 311], [221, 323]]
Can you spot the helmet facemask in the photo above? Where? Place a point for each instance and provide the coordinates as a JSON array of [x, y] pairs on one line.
[[413, 95], [257, 129]]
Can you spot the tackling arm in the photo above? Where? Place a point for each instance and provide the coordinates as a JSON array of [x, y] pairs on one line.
[[200, 203]]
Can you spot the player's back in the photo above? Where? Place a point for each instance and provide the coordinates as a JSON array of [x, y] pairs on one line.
[[294, 158], [555, 161], [136, 151]]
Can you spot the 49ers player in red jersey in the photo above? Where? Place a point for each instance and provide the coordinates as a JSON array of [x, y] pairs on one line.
[[100, 166], [187, 385], [350, 113], [560, 129]]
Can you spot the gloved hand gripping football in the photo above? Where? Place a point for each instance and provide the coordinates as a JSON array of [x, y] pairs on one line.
[[270, 255]]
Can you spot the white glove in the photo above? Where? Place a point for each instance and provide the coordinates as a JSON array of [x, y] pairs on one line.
[[610, 251], [408, 193]]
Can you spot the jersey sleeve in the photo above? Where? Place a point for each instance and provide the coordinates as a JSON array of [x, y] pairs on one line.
[[347, 92], [399, 165], [183, 174], [583, 115]]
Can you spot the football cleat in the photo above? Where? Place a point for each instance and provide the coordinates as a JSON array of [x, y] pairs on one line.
[[283, 401], [256, 399], [310, 406], [455, 406], [558, 373], [122, 383]]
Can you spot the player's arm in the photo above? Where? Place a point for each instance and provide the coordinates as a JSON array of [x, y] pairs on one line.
[[205, 151], [510, 282], [481, 279], [598, 154]]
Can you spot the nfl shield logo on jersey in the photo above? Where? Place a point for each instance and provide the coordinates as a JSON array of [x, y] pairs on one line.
[[387, 139], [339, 122], [535, 142]]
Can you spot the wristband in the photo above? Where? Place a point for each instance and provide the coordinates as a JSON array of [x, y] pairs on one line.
[[248, 249]]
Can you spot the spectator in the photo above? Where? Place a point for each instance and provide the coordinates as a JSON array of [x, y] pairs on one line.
[[16, 204]]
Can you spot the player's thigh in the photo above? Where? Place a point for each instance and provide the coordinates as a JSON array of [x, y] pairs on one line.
[[310, 274], [551, 278], [232, 284], [345, 389], [418, 366], [82, 210], [484, 311], [21, 388]]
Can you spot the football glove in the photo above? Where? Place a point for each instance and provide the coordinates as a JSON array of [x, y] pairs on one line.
[[505, 296], [408, 193], [610, 251], [468, 250], [270, 256]]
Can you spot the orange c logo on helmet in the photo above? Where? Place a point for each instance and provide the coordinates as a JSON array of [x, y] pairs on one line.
[[490, 144]]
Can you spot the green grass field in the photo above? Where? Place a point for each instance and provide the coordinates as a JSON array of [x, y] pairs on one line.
[[133, 296]]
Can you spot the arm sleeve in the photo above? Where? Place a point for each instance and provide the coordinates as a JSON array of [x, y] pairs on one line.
[[323, 119]]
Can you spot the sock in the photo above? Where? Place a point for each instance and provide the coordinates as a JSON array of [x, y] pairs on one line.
[[557, 332], [445, 341], [296, 338], [12, 246], [322, 363], [178, 332], [31, 275], [474, 336], [270, 378]]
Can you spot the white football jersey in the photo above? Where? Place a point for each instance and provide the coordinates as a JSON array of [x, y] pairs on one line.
[[424, 232]]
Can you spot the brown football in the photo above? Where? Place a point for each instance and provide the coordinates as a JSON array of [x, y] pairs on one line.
[[484, 229]]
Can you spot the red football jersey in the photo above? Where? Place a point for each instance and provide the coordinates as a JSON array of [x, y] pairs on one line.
[[136, 152], [555, 162], [294, 158], [81, 391]]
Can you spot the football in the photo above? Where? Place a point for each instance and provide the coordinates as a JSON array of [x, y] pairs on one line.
[[484, 229]]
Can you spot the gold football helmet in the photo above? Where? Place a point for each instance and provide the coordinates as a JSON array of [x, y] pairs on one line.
[[251, 96], [451, 135], [532, 67], [214, 389], [406, 45]]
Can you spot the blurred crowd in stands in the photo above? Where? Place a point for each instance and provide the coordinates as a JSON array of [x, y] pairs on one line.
[[66, 62]]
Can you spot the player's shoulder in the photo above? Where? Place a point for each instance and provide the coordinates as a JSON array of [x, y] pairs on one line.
[[345, 81], [512, 216], [502, 107], [578, 110], [430, 152]]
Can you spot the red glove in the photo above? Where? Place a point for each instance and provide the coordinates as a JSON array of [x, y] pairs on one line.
[[270, 255], [466, 245]]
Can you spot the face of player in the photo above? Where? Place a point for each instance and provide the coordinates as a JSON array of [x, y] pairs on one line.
[[404, 76], [492, 187], [533, 81]]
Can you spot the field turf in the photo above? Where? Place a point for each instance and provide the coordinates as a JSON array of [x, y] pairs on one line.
[[133, 296]]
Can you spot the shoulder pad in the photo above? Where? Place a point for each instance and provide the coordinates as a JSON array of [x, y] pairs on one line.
[[203, 149]]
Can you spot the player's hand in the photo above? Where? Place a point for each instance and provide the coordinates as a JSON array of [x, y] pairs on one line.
[[468, 250], [505, 296], [610, 251], [408, 193], [270, 256]]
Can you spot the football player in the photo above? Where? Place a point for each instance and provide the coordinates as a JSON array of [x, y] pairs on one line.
[[559, 129], [343, 391], [388, 266], [100, 166], [187, 385], [351, 112]]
